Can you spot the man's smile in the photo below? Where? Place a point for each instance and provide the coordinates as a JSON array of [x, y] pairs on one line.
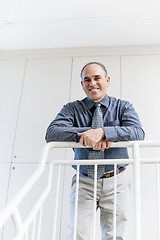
[[94, 90]]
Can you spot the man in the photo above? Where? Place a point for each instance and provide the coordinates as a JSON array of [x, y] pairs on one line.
[[114, 120]]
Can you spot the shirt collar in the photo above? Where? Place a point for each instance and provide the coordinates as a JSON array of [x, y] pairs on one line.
[[104, 102]]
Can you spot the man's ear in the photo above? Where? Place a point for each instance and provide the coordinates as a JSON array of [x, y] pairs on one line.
[[108, 80], [82, 84]]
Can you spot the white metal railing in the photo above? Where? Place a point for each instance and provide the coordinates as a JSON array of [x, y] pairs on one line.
[[21, 227]]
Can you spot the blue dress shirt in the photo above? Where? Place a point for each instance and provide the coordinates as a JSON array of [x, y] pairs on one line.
[[121, 123]]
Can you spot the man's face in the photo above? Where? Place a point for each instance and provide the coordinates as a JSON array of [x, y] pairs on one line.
[[94, 82]]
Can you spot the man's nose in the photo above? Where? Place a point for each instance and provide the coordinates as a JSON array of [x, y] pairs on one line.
[[92, 82]]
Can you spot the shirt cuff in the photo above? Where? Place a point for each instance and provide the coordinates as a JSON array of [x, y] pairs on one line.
[[110, 134]]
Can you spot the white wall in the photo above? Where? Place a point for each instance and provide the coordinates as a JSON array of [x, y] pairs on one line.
[[34, 85]]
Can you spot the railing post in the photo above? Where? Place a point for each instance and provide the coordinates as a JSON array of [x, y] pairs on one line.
[[137, 192], [76, 204], [115, 203], [17, 221], [158, 198], [95, 202], [56, 202]]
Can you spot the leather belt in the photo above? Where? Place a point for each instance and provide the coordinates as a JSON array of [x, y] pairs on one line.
[[111, 174]]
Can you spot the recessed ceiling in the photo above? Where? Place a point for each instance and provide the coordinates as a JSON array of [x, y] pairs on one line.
[[40, 24]]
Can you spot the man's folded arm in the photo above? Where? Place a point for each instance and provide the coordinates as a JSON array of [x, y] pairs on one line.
[[64, 134], [130, 128], [123, 133]]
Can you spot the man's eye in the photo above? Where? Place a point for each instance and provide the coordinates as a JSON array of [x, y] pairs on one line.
[[86, 80]]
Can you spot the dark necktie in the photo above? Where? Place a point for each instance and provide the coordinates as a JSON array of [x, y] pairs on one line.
[[97, 122]]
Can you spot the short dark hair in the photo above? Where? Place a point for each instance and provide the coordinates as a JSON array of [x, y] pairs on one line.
[[98, 63]]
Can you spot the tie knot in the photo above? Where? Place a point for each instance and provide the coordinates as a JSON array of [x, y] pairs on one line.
[[98, 104]]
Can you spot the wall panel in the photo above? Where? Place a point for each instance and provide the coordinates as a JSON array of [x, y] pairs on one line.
[[140, 85], [46, 89], [11, 80]]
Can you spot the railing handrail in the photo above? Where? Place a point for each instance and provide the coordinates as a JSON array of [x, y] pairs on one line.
[[142, 143], [13, 204]]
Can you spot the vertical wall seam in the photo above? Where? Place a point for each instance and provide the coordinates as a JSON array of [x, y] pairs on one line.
[[120, 77], [19, 106], [70, 83]]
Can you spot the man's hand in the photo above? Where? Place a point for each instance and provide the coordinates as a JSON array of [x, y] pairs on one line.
[[102, 145], [91, 137], [94, 138]]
